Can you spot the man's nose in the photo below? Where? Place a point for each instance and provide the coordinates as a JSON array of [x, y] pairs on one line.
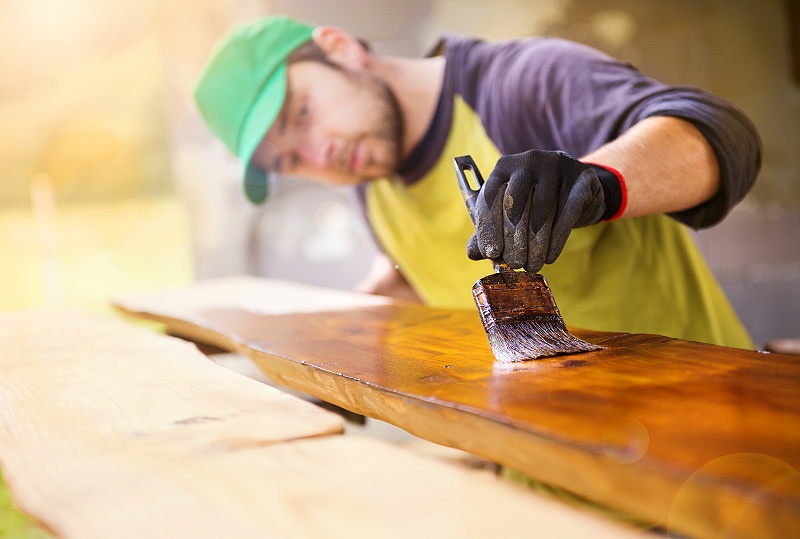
[[316, 152]]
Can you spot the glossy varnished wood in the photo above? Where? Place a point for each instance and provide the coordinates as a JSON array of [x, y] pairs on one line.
[[111, 431], [701, 439]]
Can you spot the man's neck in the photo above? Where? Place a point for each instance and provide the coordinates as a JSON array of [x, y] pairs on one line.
[[417, 84]]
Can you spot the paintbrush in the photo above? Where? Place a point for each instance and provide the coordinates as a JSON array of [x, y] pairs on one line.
[[517, 308]]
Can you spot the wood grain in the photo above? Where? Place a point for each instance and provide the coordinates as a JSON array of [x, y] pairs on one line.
[[701, 439], [108, 430]]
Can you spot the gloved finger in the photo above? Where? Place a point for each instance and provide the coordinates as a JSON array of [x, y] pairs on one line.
[[539, 241], [489, 223], [545, 196], [473, 252], [595, 202], [495, 184], [544, 201], [583, 205], [515, 234], [517, 196]]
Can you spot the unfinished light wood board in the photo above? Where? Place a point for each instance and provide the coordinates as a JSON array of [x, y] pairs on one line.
[[78, 391], [108, 430], [701, 439]]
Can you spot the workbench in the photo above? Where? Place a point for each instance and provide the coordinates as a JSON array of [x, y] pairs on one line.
[[692, 439], [112, 430]]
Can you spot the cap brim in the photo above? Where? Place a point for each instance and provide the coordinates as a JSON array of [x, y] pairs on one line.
[[259, 120], [256, 183]]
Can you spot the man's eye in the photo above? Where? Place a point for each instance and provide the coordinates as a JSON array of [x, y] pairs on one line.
[[302, 112], [276, 164], [294, 160]]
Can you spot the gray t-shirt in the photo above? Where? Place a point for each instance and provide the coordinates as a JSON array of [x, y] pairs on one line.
[[553, 94]]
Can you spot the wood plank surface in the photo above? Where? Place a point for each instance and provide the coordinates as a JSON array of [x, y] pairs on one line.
[[109, 430], [701, 439]]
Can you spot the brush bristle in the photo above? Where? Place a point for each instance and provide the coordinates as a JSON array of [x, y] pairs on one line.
[[533, 339], [521, 318]]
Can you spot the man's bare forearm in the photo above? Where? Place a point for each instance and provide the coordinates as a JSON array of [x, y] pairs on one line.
[[667, 164]]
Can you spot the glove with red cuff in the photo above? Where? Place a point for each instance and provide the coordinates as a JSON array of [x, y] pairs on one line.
[[531, 202]]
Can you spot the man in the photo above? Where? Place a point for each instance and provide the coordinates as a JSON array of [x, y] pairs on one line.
[[593, 166]]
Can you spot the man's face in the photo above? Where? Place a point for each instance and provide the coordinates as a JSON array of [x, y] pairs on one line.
[[336, 126]]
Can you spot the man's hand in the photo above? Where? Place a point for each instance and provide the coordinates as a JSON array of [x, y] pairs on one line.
[[532, 201]]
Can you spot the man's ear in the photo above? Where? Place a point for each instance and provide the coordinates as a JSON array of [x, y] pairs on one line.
[[340, 47]]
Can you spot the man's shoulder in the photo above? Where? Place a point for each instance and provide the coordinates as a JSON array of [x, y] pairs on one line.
[[453, 45], [479, 66]]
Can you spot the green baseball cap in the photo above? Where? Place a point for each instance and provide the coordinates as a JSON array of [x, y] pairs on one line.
[[242, 88]]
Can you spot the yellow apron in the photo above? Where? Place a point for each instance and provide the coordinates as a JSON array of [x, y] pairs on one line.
[[640, 275]]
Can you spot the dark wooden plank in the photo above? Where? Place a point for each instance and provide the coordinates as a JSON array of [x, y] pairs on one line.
[[701, 439]]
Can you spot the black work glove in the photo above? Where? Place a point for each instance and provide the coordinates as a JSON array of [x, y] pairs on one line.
[[531, 202]]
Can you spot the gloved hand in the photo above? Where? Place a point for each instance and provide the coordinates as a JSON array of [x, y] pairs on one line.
[[531, 202]]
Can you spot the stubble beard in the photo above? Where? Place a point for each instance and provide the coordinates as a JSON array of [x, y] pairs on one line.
[[388, 126]]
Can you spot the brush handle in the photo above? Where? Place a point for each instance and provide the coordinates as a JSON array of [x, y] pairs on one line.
[[463, 163], [467, 163]]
